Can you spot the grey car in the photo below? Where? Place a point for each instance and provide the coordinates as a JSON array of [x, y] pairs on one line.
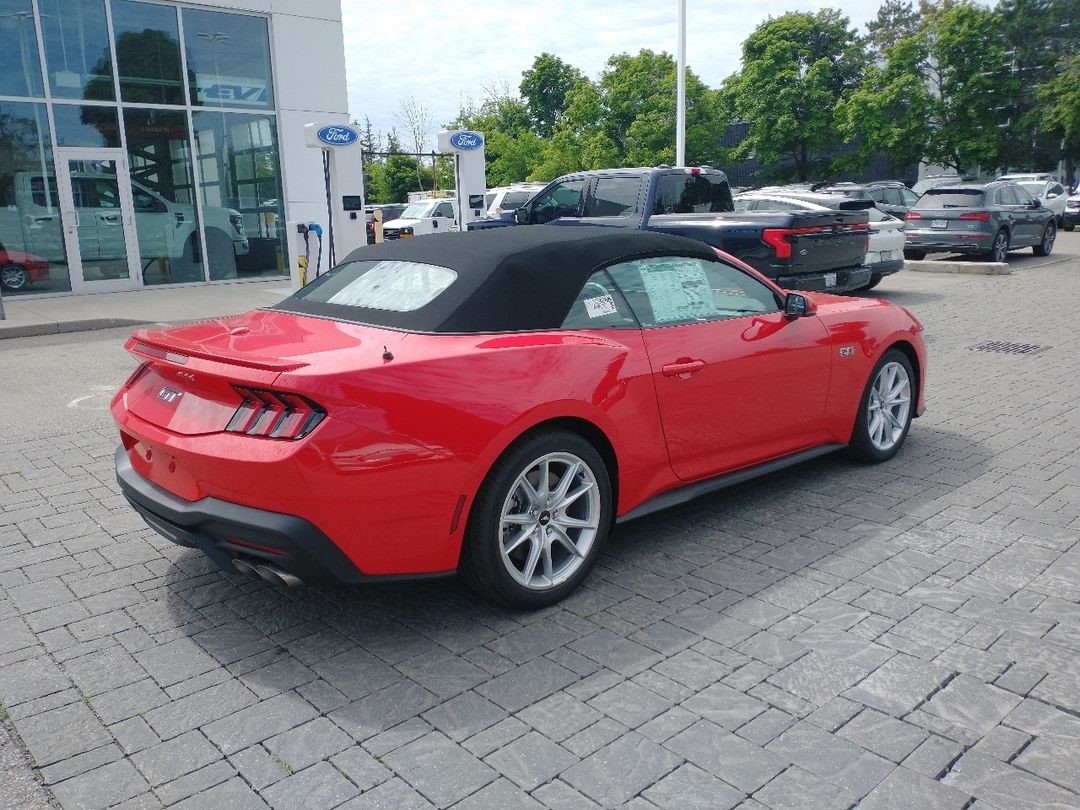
[[988, 219]]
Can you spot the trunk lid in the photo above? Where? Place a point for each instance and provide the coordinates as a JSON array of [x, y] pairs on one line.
[[196, 377]]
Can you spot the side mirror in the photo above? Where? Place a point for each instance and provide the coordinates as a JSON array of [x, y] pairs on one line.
[[798, 306], [521, 216], [1036, 203]]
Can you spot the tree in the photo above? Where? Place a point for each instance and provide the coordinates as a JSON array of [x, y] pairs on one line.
[[896, 20], [544, 87], [370, 143], [796, 69], [416, 118], [511, 149], [1059, 104]]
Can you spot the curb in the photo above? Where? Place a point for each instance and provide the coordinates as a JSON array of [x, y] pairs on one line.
[[966, 268], [60, 327]]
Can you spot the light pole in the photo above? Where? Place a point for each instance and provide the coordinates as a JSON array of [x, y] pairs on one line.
[[680, 91], [214, 38]]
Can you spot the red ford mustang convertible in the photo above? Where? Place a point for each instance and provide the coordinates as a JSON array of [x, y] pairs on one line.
[[493, 403]]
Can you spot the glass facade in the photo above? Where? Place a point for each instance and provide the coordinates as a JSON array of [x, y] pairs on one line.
[[138, 147]]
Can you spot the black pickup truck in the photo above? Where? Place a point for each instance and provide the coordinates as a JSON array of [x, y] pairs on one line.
[[799, 250]]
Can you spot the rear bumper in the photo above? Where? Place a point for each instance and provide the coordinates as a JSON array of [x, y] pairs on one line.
[[1071, 218], [849, 278], [948, 242], [225, 531], [887, 268]]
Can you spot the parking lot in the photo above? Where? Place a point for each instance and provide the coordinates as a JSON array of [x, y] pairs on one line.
[[899, 636]]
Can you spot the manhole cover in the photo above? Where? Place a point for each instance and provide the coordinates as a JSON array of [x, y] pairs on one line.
[[1005, 347]]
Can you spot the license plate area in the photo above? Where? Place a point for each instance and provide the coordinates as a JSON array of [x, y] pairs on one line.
[[830, 280], [886, 255], [939, 224]]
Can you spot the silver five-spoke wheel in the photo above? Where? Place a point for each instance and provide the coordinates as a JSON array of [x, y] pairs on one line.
[[549, 520], [889, 405]]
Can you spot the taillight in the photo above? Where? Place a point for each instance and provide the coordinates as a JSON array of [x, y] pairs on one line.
[[778, 237], [274, 414], [912, 215], [980, 216]]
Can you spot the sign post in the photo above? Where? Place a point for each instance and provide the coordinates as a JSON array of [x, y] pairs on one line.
[[470, 171]]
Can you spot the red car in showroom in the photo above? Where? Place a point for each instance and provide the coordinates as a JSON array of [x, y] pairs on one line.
[[19, 270], [492, 403]]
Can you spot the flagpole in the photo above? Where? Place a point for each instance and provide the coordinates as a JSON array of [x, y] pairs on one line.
[[680, 107]]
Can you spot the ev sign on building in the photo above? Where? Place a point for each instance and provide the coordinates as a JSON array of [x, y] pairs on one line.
[[470, 175]]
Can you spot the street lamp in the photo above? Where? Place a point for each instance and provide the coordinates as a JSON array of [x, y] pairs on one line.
[[214, 38]]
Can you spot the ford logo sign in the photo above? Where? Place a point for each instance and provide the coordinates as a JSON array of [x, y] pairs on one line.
[[466, 141], [337, 135]]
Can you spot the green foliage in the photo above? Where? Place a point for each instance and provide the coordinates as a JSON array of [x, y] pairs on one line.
[[796, 69], [896, 20], [402, 175], [544, 87]]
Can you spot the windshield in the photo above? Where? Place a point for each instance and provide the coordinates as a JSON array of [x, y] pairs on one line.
[[950, 198], [418, 210], [1034, 189]]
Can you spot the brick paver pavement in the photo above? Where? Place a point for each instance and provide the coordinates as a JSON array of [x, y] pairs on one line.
[[905, 635]]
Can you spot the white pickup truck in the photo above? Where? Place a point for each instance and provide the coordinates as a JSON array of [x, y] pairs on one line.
[[165, 229], [423, 216]]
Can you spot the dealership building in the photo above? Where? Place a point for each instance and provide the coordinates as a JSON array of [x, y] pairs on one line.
[[150, 142]]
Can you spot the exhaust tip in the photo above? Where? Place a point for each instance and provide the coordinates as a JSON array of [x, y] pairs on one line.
[[245, 568], [278, 576]]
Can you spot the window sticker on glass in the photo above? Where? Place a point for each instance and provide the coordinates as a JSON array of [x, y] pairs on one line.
[[600, 306], [678, 290]]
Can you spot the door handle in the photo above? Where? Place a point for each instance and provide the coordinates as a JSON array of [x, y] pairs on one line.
[[683, 367]]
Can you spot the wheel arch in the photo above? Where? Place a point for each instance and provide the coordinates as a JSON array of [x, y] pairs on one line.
[[908, 349], [586, 429]]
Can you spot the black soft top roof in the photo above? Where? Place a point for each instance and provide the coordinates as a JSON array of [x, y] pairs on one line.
[[508, 279]]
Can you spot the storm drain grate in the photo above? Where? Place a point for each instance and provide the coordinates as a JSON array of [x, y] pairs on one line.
[[1005, 347]]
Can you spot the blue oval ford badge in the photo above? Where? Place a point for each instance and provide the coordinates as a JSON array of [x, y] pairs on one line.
[[466, 141], [337, 135]]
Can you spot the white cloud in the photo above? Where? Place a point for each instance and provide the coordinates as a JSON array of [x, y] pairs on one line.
[[444, 54]]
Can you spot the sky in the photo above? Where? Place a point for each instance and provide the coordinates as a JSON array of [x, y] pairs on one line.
[[445, 54]]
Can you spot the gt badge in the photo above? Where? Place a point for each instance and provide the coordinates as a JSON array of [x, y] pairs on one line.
[[847, 351], [168, 394]]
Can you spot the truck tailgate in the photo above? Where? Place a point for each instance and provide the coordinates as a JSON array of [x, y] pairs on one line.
[[779, 243]]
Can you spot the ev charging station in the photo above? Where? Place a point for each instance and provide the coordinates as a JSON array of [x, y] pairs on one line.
[[470, 171], [319, 245]]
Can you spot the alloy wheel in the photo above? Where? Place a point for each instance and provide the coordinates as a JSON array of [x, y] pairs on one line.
[[1049, 235], [13, 277], [549, 520], [888, 407], [1001, 246]]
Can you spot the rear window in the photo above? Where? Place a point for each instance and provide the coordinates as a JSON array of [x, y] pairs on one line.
[[391, 286], [514, 199], [693, 194], [950, 198]]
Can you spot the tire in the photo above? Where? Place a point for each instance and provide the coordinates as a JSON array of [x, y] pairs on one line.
[[517, 548], [221, 256], [914, 255], [999, 249], [14, 277], [875, 279], [874, 441], [1046, 244]]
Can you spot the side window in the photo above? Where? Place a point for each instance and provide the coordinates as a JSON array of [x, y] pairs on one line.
[[775, 205], [671, 290], [444, 210], [1003, 196], [612, 197], [599, 305], [146, 203], [1022, 196], [563, 200], [37, 190], [892, 196], [82, 189], [1056, 189], [876, 194], [909, 197], [692, 194]]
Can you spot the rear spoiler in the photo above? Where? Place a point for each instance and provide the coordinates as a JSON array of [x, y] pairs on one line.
[[143, 346]]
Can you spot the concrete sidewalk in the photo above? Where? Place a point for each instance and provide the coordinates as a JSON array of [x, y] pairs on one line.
[[77, 313]]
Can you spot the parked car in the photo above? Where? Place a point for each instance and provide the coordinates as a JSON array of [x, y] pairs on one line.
[[389, 211], [1072, 212], [437, 215], [890, 196], [885, 251], [1044, 177], [441, 405], [1050, 193], [803, 250], [933, 180], [507, 199], [989, 219], [19, 270]]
